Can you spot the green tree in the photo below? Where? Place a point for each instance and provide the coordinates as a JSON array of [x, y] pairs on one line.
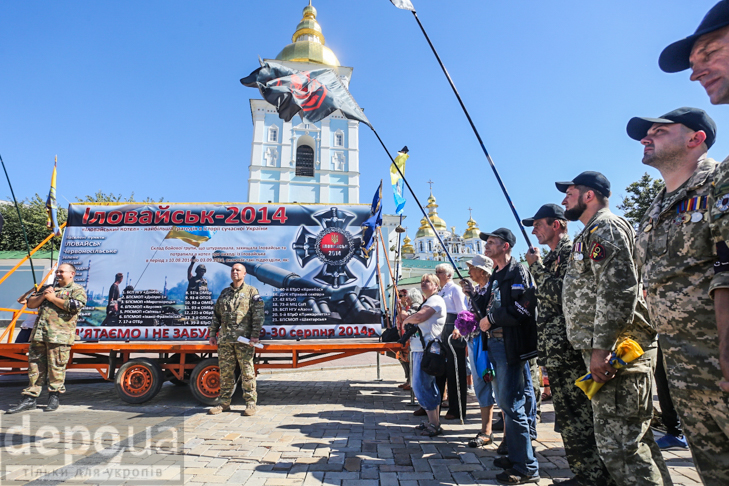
[[640, 196], [33, 212]]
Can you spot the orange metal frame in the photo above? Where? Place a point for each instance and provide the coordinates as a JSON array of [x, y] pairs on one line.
[[106, 357]]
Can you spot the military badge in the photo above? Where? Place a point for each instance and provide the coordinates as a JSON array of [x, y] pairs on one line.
[[685, 218], [648, 228], [696, 217], [598, 252], [722, 203], [579, 256]]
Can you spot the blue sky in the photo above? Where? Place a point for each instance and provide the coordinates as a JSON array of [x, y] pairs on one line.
[[144, 96]]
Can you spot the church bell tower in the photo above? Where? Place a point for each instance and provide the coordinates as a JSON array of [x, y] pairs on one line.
[[298, 161]]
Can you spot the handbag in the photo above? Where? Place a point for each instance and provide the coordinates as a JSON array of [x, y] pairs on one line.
[[434, 358], [390, 335]]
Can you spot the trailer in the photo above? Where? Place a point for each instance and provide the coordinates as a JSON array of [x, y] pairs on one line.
[[139, 369]]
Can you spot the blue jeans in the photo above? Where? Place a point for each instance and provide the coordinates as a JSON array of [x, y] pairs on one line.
[[510, 388], [484, 391], [530, 405], [424, 384]]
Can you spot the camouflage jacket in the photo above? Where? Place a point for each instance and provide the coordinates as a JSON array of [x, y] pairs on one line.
[[600, 295], [58, 325], [554, 347], [238, 312], [675, 257]]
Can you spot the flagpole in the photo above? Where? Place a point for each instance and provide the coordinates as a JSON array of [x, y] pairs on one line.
[[478, 136], [22, 225], [417, 201]]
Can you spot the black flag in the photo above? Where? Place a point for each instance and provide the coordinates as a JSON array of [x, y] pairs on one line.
[[316, 94]]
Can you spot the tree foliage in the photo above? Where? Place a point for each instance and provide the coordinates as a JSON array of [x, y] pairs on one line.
[[640, 196], [102, 197], [33, 212]]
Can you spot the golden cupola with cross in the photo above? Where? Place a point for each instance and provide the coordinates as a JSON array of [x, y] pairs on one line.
[[432, 207], [308, 43]]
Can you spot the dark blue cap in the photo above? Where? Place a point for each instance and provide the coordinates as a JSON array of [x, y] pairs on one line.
[[547, 211], [503, 233], [591, 179], [675, 57], [693, 118]]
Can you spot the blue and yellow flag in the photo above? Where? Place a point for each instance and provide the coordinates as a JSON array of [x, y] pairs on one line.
[[369, 227], [52, 205], [398, 183], [192, 235]]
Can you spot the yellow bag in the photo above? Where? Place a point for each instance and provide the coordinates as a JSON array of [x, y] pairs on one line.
[[626, 351]]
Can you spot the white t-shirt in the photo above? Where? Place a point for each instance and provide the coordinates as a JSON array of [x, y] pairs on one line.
[[455, 299], [431, 328]]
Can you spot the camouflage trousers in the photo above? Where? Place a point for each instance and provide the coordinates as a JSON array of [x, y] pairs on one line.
[[47, 362], [230, 354], [705, 417], [622, 412], [573, 415]]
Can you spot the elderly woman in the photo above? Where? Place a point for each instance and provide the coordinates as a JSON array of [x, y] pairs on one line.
[[410, 302], [479, 269], [430, 320], [455, 302]]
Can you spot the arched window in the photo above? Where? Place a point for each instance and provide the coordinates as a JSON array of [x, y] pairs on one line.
[[430, 246], [273, 134], [339, 138], [304, 161]]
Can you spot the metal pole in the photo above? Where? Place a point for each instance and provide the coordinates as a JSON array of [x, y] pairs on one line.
[[478, 136], [379, 378], [22, 225]]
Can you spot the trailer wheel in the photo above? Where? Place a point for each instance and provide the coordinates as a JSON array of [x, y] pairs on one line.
[[139, 380], [205, 381]]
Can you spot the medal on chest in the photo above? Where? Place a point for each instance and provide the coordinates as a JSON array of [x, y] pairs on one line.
[[691, 210], [577, 252]]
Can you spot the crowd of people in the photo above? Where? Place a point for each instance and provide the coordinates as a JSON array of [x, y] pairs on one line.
[[665, 281]]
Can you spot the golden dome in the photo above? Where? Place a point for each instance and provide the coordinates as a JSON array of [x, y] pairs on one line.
[[407, 248], [308, 42], [439, 224], [425, 230], [472, 231]]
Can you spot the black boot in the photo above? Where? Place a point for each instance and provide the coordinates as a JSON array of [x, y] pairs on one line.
[[28, 403], [52, 402]]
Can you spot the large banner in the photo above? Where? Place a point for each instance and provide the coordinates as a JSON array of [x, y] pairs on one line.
[[154, 272]]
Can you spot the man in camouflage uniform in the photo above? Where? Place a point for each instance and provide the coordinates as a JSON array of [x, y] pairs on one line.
[[573, 411], [238, 312], [52, 337], [675, 254], [602, 306]]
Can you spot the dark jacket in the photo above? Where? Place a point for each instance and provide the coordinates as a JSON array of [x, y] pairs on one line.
[[517, 314]]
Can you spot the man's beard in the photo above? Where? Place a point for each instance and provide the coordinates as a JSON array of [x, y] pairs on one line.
[[668, 158], [575, 213]]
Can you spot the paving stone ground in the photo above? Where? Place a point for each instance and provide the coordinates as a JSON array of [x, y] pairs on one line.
[[336, 426]]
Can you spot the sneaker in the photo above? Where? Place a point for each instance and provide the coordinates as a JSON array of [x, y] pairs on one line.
[[219, 409], [471, 390], [250, 409], [670, 442]]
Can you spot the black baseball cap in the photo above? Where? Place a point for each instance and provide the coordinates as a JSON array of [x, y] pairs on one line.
[[593, 180], [675, 57], [547, 211], [503, 233], [693, 118]]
